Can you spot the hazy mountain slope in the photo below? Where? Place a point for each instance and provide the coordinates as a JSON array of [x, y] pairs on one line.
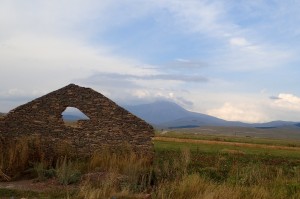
[[199, 120], [72, 117], [169, 114], [158, 112], [274, 124], [165, 114], [73, 114]]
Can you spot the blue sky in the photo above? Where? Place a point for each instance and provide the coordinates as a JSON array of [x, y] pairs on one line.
[[237, 60]]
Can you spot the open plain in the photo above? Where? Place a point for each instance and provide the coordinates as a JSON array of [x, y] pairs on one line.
[[185, 166]]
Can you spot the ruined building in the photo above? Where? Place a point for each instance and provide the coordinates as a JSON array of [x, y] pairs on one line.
[[109, 125]]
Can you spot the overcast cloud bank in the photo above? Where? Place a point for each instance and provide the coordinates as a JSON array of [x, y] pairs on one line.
[[224, 58]]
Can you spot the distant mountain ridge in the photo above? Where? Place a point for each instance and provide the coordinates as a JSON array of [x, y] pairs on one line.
[[170, 114], [165, 114], [73, 114], [158, 112]]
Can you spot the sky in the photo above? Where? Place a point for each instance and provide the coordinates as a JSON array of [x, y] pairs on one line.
[[234, 59]]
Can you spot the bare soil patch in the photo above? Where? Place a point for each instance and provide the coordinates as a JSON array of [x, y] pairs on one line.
[[32, 185]]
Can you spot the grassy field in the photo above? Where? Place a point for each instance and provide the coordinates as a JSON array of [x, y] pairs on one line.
[[228, 171], [225, 149], [282, 133], [217, 136], [184, 170], [214, 175]]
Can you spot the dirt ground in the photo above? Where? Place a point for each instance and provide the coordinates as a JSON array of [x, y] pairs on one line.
[[31, 185]]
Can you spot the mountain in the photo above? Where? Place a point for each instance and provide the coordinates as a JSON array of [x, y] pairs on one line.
[[298, 124], [165, 114], [2, 114], [72, 117], [158, 112], [278, 123], [73, 114], [171, 115]]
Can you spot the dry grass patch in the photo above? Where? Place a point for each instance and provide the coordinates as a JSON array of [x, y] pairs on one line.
[[14, 155], [119, 173], [22, 153], [232, 151]]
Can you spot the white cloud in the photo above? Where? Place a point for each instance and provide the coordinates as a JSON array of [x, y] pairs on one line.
[[15, 91], [48, 42], [287, 102], [239, 112], [238, 41], [56, 61], [213, 20], [150, 95], [139, 93], [206, 17], [45, 45], [32, 65], [183, 60], [242, 57]]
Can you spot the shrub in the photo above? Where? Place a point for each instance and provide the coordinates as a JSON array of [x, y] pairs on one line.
[[66, 172]]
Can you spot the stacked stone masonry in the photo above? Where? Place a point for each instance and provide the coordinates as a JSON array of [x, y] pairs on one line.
[[109, 125]]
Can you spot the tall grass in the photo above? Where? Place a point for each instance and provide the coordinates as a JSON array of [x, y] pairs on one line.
[[223, 178], [180, 174], [14, 155], [118, 173], [19, 154], [66, 171]]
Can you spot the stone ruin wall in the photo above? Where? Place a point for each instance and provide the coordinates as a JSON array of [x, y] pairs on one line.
[[1, 124], [109, 125]]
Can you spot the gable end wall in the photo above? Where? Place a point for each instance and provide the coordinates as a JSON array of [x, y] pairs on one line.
[[109, 124]]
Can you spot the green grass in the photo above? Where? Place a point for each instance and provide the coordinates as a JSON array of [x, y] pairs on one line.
[[219, 148], [258, 173], [227, 138]]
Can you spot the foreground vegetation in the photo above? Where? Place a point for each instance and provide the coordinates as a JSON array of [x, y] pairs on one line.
[[180, 170]]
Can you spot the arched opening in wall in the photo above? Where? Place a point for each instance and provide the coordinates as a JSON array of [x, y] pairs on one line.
[[72, 115]]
